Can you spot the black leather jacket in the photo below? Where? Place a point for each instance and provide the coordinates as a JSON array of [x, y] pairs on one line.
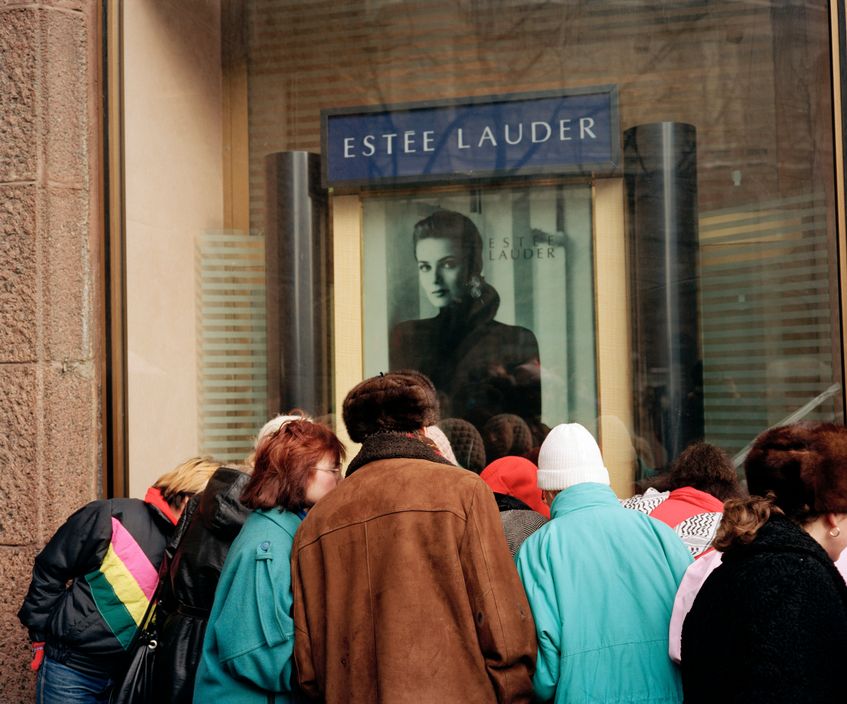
[[211, 522]]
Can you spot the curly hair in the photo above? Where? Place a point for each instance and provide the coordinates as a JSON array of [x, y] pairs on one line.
[[707, 468]]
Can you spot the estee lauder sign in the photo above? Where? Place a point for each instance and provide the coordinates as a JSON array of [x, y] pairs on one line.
[[563, 132]]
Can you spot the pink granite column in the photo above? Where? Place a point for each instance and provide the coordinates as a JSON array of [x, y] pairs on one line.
[[50, 328]]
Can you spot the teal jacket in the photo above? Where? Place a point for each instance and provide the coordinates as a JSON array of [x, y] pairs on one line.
[[247, 652], [601, 581]]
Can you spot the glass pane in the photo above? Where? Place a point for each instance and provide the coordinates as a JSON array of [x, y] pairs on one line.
[[726, 316]]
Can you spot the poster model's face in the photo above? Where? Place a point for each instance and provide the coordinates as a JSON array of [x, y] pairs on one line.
[[441, 270]]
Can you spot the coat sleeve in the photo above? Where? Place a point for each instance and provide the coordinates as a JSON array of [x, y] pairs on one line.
[[693, 579], [504, 626], [77, 548], [539, 584], [264, 658], [306, 672]]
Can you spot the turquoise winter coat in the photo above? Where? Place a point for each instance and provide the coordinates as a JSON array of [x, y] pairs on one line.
[[601, 581], [247, 651]]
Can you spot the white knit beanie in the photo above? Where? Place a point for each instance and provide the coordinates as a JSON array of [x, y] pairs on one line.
[[569, 455]]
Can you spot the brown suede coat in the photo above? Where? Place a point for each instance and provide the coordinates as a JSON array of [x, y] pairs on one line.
[[404, 591]]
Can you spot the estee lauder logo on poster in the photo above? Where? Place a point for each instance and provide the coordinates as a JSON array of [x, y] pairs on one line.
[[541, 133], [538, 245], [412, 141]]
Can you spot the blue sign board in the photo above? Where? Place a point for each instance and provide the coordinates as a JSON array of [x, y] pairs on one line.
[[560, 133]]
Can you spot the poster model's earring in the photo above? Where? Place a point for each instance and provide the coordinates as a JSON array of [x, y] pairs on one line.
[[475, 286], [835, 532]]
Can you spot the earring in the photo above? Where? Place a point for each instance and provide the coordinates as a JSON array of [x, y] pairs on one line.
[[475, 287], [835, 532]]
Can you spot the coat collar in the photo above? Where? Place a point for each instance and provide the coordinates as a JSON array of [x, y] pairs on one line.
[[391, 446], [780, 535], [580, 496], [286, 520], [156, 499]]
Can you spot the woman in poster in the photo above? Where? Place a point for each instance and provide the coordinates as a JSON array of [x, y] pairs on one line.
[[479, 366]]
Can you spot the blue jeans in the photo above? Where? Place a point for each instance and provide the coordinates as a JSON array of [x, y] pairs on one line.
[[60, 684]]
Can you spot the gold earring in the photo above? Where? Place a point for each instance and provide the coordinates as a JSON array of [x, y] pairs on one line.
[[835, 532]]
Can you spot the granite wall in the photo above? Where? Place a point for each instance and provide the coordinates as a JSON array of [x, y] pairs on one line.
[[50, 328]]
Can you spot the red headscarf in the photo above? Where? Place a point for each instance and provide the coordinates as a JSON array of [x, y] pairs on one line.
[[517, 477]]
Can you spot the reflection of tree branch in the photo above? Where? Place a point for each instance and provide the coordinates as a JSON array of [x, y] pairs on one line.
[[794, 417]]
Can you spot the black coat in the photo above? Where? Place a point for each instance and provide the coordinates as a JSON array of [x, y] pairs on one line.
[[212, 522], [71, 603], [769, 625], [480, 367]]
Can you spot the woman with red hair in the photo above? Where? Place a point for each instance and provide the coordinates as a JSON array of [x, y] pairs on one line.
[[250, 636]]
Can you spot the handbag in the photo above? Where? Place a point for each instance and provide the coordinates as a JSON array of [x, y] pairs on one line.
[[136, 685]]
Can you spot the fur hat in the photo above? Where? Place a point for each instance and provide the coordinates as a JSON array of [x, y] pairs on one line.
[[402, 402], [568, 456], [803, 466]]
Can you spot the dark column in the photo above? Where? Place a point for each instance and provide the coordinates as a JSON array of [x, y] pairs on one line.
[[661, 177], [298, 264]]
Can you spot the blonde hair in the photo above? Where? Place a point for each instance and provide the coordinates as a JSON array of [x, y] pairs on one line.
[[187, 479]]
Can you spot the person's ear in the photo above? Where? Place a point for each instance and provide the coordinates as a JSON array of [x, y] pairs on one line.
[[832, 522]]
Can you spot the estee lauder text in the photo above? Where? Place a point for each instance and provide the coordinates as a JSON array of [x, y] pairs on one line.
[[413, 141]]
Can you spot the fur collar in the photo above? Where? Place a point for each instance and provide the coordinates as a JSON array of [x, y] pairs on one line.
[[390, 446]]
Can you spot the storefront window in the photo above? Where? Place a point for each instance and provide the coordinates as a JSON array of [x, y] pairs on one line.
[[690, 291]]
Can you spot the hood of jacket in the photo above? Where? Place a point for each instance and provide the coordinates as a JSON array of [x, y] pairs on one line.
[[220, 508], [583, 496], [156, 500]]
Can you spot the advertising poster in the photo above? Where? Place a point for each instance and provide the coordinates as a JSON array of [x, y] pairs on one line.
[[490, 293]]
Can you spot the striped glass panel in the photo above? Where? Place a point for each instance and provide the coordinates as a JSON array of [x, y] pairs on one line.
[[766, 319], [231, 342]]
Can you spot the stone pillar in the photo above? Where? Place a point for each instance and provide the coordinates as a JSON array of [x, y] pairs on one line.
[[50, 328]]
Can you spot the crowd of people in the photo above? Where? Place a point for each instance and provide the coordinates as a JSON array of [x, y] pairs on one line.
[[408, 578]]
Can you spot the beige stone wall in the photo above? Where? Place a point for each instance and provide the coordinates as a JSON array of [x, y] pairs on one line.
[[50, 428]]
